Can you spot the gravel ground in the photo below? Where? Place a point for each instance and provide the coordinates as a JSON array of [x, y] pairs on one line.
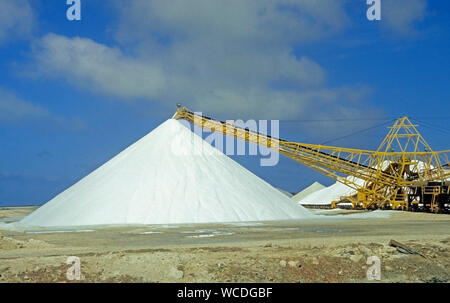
[[332, 250]]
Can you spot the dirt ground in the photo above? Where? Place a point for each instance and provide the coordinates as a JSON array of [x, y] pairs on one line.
[[332, 250]]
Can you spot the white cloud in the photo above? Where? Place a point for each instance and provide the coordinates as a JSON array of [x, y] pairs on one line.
[[16, 20], [14, 110], [98, 67], [252, 22], [400, 16], [231, 57]]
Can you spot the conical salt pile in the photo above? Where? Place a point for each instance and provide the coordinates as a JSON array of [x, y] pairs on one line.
[[331, 193], [169, 176], [307, 191]]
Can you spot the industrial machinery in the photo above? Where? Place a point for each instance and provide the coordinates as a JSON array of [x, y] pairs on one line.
[[403, 173]]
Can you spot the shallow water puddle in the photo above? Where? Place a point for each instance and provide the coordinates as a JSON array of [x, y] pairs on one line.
[[207, 233], [58, 231], [150, 232]]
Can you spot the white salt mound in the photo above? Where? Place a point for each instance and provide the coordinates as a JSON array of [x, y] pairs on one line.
[[331, 193], [169, 176], [307, 191]]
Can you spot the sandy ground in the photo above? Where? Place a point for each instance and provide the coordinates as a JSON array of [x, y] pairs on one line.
[[332, 250]]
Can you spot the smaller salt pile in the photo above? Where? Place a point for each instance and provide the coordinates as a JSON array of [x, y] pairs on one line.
[[171, 175], [307, 191], [329, 194]]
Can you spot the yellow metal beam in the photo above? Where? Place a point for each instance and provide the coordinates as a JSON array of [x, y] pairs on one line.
[[403, 159]]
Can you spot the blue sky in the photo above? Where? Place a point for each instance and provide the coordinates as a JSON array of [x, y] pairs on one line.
[[75, 93]]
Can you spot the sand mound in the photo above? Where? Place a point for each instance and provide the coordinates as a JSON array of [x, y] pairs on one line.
[[7, 243]]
